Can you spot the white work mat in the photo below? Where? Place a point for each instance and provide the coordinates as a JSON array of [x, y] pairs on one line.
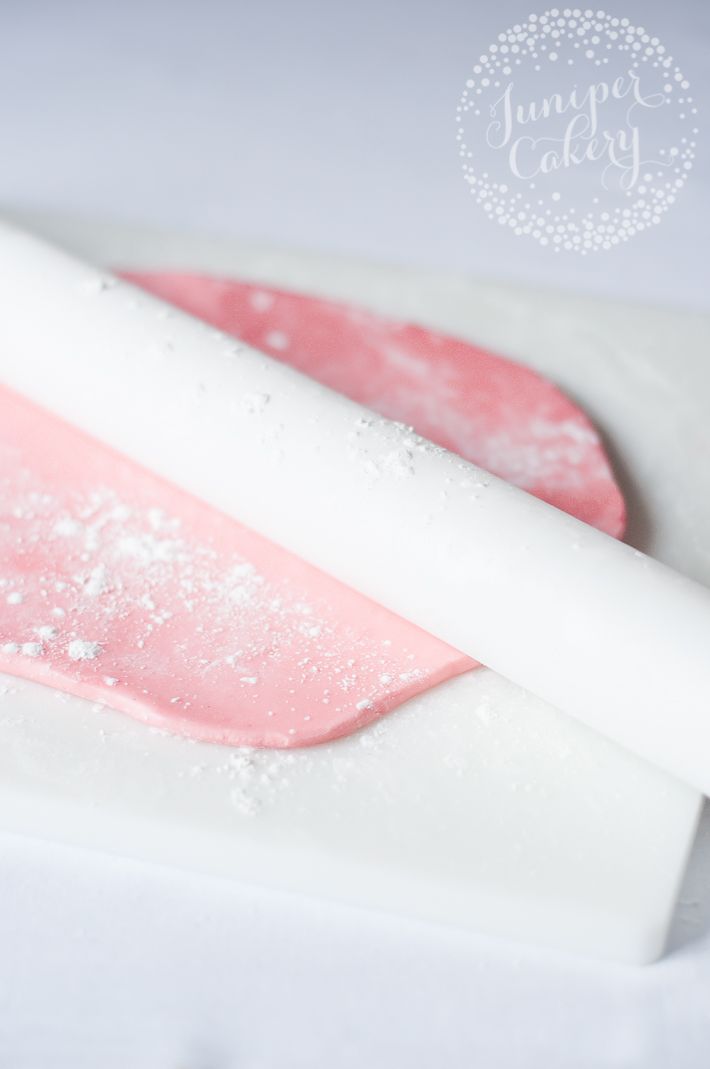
[[475, 804]]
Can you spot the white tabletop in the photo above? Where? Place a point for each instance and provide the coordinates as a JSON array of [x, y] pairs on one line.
[[323, 126]]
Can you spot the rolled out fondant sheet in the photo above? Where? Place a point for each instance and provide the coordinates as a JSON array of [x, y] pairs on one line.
[[590, 625]]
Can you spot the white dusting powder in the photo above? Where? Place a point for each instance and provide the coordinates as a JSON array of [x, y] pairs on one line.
[[16, 598], [149, 550], [135, 572], [97, 582], [66, 527], [261, 301], [80, 650], [276, 339], [384, 449], [254, 403]]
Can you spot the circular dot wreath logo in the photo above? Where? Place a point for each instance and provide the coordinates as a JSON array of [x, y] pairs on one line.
[[577, 129]]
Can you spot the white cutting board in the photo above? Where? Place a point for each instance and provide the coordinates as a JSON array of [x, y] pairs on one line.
[[474, 805]]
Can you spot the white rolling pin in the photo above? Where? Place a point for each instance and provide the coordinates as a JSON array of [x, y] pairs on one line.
[[577, 618]]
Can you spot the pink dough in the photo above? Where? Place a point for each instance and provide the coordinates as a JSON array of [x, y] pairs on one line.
[[118, 587]]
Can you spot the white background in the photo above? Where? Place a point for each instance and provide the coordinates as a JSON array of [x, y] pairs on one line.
[[317, 124], [330, 126]]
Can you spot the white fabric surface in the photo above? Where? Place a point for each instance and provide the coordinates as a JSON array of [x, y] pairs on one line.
[[326, 126]]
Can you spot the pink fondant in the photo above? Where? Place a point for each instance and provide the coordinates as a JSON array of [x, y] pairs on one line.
[[116, 586]]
